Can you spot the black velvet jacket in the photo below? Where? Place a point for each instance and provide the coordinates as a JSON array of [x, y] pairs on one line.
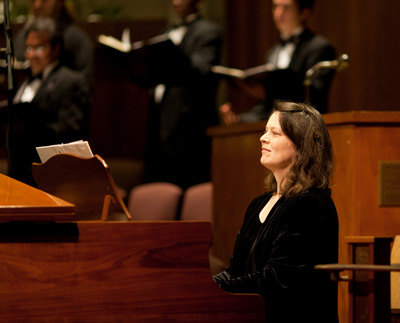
[[276, 258]]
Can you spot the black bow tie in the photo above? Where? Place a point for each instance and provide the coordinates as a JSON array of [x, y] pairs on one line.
[[182, 23], [33, 77], [296, 39], [178, 26], [284, 42]]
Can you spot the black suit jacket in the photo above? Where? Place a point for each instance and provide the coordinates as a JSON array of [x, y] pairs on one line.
[[177, 127], [287, 84], [59, 113]]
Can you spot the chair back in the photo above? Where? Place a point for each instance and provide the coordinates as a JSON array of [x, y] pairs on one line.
[[159, 201], [197, 203]]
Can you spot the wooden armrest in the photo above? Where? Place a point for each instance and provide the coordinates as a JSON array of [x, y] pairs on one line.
[[335, 269], [341, 267]]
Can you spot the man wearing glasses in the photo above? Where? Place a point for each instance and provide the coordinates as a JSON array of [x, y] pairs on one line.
[[52, 106], [77, 49]]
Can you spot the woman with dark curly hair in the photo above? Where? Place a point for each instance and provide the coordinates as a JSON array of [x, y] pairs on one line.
[[291, 227]]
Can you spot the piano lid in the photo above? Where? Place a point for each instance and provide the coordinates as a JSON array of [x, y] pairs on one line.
[[21, 202]]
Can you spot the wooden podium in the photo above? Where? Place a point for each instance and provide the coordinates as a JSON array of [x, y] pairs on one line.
[[362, 143]]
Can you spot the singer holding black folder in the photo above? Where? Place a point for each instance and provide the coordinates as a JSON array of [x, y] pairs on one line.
[[299, 50], [184, 102]]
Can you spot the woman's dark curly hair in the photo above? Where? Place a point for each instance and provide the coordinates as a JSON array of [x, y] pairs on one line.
[[313, 162]]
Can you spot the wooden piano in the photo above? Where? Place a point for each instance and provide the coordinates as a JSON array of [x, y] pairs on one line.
[[106, 271]]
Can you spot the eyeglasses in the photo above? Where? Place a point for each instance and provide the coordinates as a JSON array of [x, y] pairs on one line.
[[38, 49]]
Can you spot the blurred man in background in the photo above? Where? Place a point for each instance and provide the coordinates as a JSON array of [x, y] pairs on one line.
[[298, 51], [52, 106], [77, 53], [184, 103]]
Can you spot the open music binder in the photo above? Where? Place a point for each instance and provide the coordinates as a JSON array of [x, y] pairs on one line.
[[152, 61], [260, 71], [126, 46]]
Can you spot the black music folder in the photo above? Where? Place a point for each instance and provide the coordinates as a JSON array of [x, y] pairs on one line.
[[152, 61]]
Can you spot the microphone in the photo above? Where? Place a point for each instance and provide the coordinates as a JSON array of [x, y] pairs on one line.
[[16, 65], [339, 64]]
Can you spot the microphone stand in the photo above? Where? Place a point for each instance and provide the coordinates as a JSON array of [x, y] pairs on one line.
[[9, 51], [338, 64], [10, 79]]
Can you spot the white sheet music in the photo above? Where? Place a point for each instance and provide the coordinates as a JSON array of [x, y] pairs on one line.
[[78, 148]]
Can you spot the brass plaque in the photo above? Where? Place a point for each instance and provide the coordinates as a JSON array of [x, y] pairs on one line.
[[389, 183]]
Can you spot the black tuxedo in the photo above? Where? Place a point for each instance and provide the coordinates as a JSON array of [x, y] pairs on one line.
[[178, 149], [58, 113], [287, 84]]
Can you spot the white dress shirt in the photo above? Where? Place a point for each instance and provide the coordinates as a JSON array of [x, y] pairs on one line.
[[286, 51], [29, 88]]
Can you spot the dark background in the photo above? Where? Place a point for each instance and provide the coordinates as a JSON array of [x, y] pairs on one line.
[[366, 30]]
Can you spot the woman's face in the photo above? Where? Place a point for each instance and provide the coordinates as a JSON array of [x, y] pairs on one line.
[[277, 150]]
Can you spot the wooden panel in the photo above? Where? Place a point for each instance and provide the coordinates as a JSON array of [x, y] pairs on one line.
[[360, 140], [117, 272], [354, 27]]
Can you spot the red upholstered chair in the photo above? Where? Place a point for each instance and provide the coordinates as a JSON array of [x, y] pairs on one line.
[[157, 201], [197, 202]]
